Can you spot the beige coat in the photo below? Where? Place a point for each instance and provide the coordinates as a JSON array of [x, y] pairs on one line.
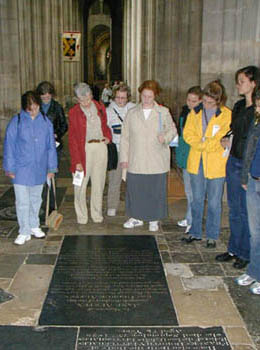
[[140, 146]]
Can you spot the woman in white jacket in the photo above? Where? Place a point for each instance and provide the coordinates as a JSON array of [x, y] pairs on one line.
[[144, 151], [116, 113]]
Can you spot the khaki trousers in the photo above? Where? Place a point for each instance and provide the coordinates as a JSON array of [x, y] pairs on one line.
[[114, 183], [96, 165]]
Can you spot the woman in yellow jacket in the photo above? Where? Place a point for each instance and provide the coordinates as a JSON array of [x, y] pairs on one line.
[[205, 127]]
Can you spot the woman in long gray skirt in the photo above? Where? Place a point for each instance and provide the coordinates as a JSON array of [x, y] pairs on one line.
[[147, 131]]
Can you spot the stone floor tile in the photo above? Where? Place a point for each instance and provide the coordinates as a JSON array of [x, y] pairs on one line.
[[30, 285], [181, 270], [41, 259], [207, 269], [202, 283], [32, 246], [5, 283], [15, 312], [166, 258], [203, 308], [238, 335], [243, 347], [230, 270], [181, 247], [163, 247], [186, 258]]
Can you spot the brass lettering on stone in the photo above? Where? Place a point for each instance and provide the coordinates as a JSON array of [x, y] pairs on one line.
[[188, 338]]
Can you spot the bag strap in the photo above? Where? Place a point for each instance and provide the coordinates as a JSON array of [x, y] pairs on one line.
[[118, 115], [160, 123], [48, 198]]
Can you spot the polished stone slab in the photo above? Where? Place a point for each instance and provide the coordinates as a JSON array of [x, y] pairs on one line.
[[41, 338], [188, 338], [108, 281]]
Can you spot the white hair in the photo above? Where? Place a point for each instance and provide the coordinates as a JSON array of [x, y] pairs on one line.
[[82, 89]]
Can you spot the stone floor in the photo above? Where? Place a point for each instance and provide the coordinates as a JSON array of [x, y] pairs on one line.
[[203, 292]]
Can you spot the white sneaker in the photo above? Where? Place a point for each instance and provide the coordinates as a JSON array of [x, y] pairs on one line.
[[21, 239], [255, 288], [131, 223], [188, 229], [245, 280], [153, 226], [37, 232], [182, 223], [111, 212]]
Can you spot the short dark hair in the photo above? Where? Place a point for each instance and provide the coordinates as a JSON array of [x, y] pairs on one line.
[[28, 98], [217, 91], [45, 87], [195, 90]]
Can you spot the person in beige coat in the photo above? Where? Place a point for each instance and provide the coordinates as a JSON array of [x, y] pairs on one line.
[[147, 131]]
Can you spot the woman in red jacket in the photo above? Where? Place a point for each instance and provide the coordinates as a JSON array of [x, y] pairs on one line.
[[88, 139]]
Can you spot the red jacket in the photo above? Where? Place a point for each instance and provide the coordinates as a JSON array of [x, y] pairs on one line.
[[77, 133]]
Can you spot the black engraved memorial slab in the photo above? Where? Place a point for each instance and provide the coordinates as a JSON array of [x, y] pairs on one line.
[[41, 338], [185, 338], [108, 281]]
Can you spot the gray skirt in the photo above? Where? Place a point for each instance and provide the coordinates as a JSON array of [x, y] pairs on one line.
[[146, 196]]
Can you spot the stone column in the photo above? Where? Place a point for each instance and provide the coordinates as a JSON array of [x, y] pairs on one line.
[[230, 40], [163, 42], [31, 51]]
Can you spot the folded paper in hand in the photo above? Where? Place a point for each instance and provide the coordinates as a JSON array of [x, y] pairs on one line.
[[78, 178]]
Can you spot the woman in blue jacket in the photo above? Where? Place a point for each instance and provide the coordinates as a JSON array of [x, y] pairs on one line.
[[29, 157]]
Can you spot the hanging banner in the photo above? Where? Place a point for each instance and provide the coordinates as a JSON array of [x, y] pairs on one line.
[[71, 46]]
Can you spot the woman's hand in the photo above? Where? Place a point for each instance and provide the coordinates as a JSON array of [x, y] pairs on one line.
[[225, 142], [244, 187], [161, 138], [124, 165], [11, 175], [106, 140], [79, 167], [50, 175]]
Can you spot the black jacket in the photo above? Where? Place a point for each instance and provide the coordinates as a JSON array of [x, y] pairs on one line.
[[250, 149], [242, 117], [57, 117]]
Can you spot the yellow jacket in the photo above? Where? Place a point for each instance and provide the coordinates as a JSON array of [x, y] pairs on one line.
[[214, 163]]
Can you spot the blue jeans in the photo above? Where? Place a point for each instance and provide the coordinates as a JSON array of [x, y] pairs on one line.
[[253, 206], [28, 201], [238, 219], [213, 189], [188, 192]]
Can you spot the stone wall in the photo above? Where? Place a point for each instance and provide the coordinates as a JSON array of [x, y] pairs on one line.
[[163, 42], [230, 40], [31, 49]]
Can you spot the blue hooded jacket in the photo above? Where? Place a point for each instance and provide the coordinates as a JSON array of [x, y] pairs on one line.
[[29, 149]]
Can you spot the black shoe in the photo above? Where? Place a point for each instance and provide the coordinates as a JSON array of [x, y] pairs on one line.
[[190, 239], [224, 257], [240, 263], [211, 243]]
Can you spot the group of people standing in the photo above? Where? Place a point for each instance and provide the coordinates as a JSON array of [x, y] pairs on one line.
[[215, 145], [138, 131]]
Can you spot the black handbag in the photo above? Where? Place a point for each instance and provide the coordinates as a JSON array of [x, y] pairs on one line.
[[112, 156]]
